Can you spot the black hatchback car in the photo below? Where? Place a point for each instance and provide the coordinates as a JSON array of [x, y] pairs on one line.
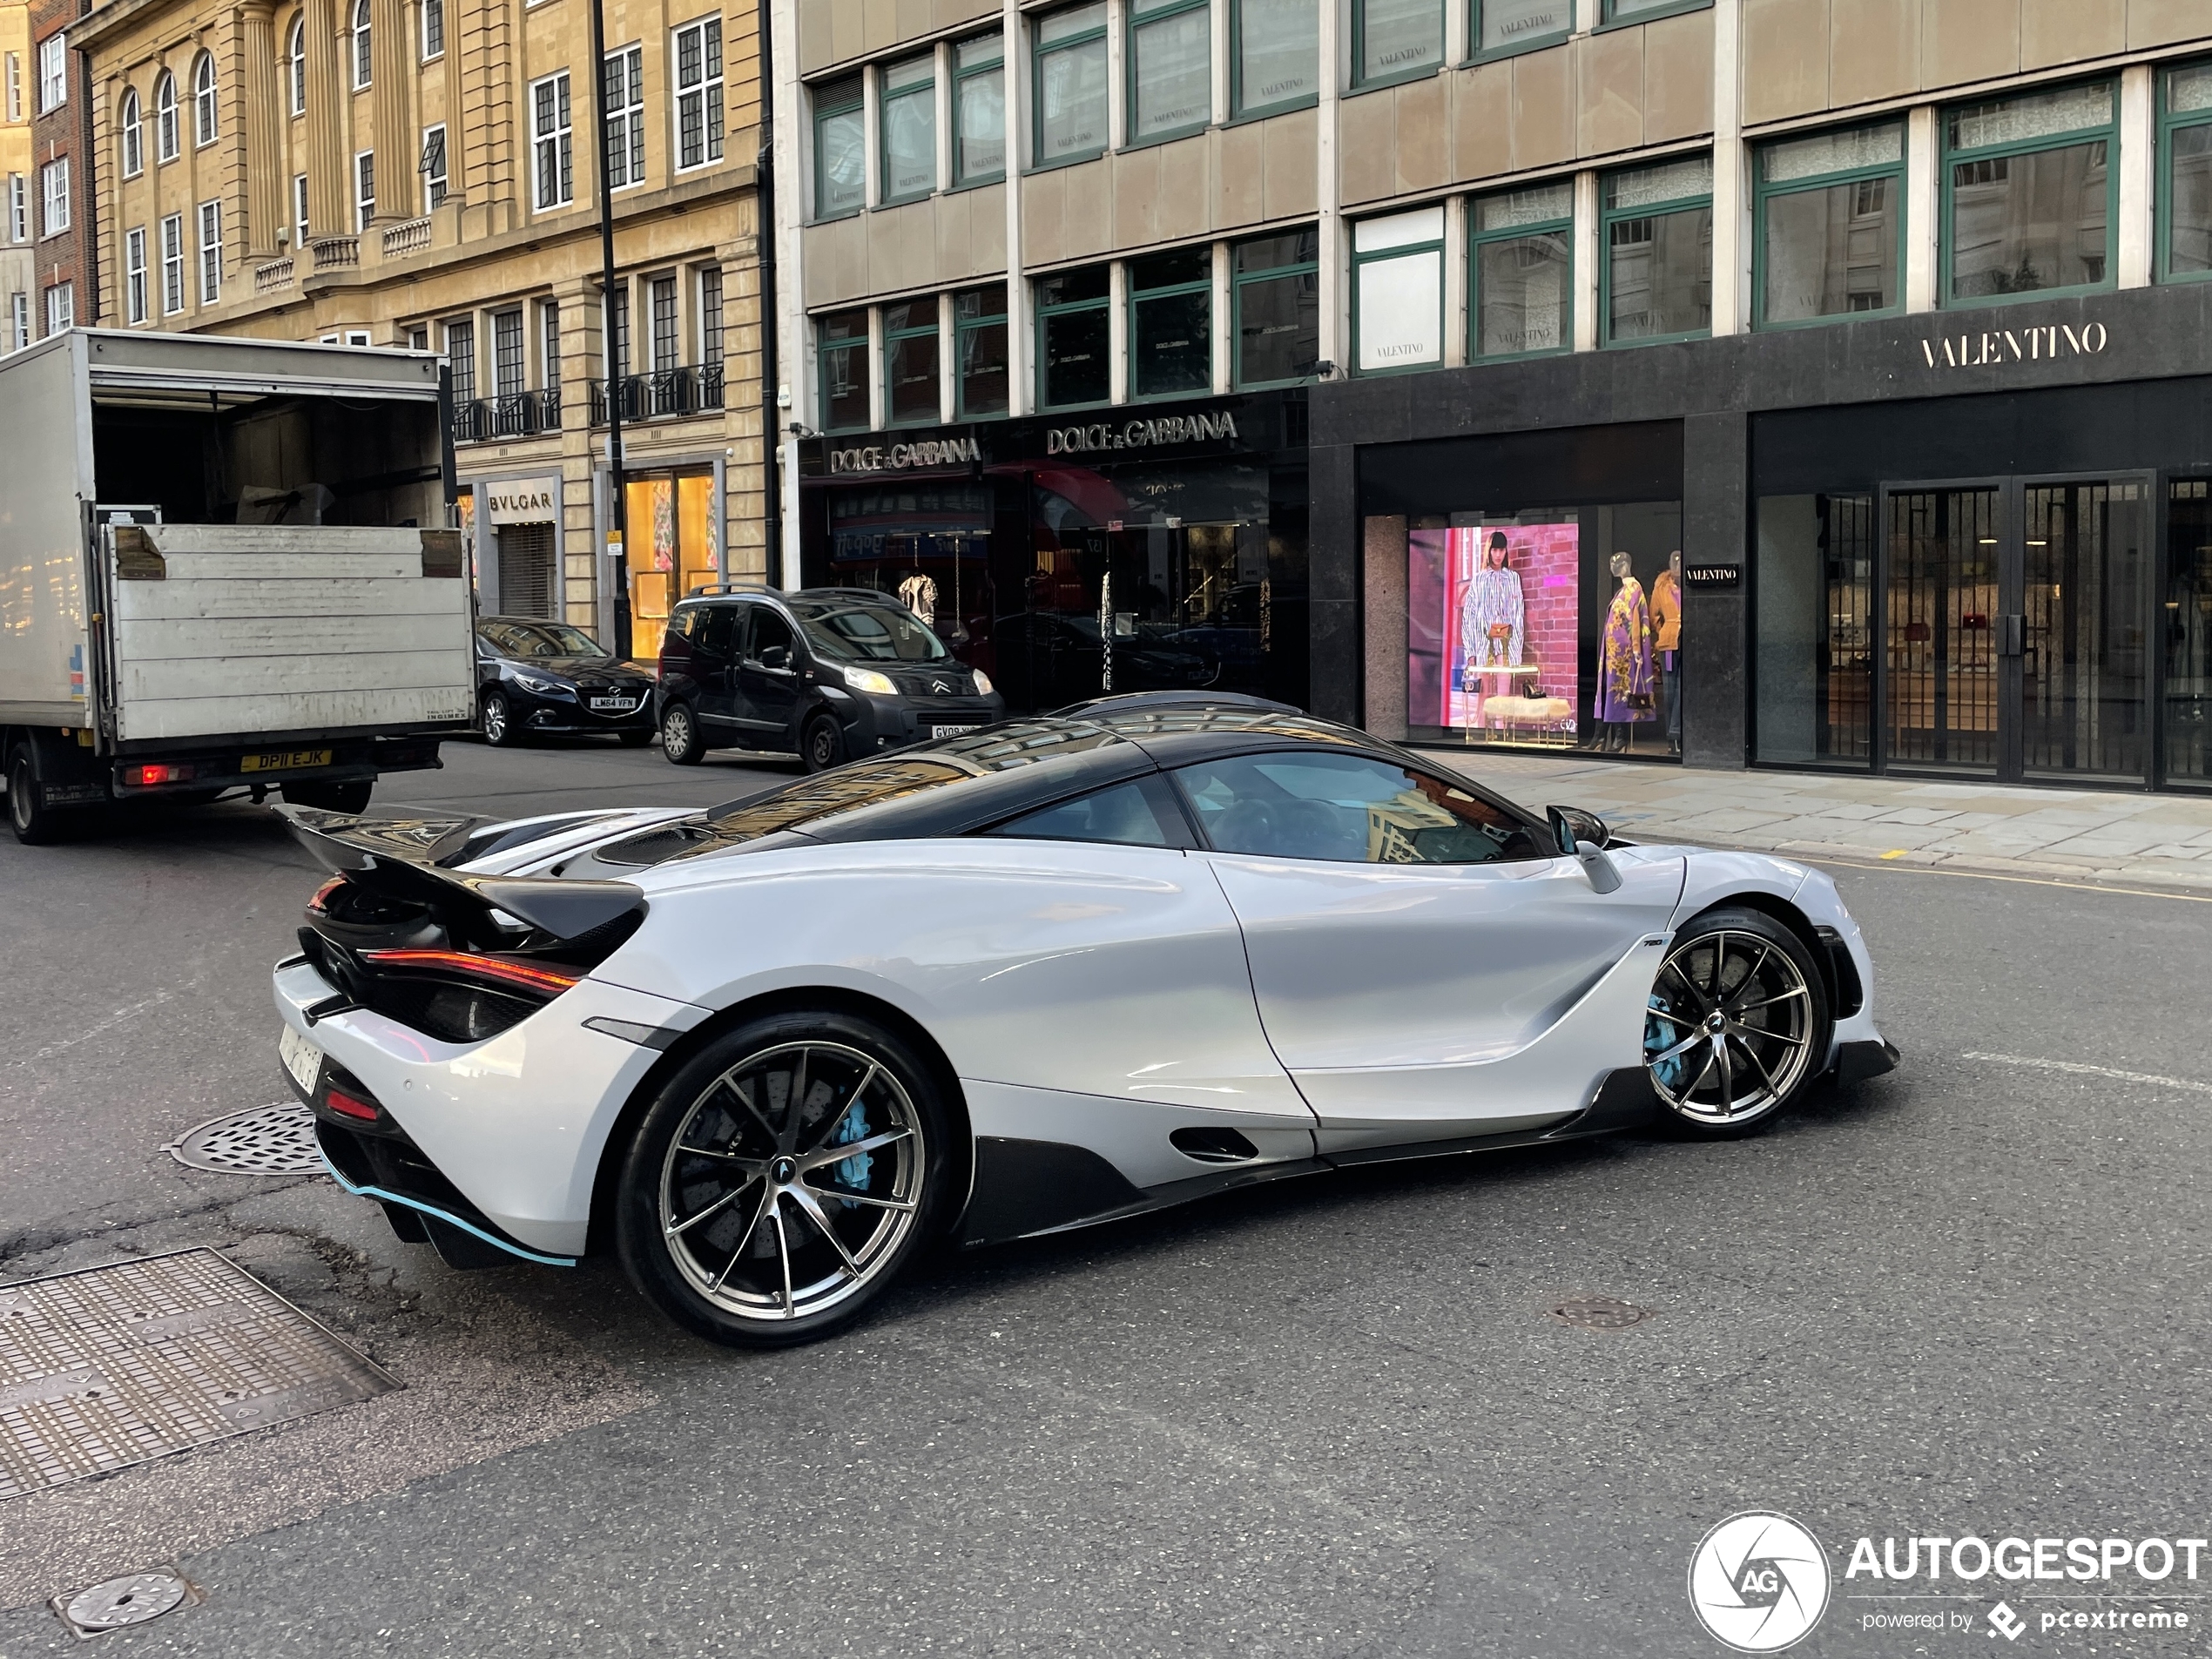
[[541, 678], [827, 674]]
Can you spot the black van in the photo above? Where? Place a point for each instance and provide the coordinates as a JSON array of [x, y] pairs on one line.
[[827, 674]]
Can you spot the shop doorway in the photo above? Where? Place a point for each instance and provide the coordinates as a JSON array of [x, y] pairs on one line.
[[2016, 627]]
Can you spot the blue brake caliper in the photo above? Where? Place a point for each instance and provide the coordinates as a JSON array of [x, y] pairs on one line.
[[1660, 1034], [854, 1171]]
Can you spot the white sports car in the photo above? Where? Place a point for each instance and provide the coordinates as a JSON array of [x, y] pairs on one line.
[[1045, 974]]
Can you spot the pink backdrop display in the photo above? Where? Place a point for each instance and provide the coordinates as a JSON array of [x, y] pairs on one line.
[[1547, 560]]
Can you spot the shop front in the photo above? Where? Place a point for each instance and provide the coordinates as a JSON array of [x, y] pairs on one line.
[[513, 523], [673, 544], [1965, 547], [1071, 555]]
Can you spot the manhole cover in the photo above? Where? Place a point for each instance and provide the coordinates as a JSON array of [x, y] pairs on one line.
[[1599, 1313], [120, 1602], [110, 1367], [269, 1140]]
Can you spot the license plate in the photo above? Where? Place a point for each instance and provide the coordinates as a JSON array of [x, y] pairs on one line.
[[615, 704], [285, 760], [302, 1058], [953, 731]]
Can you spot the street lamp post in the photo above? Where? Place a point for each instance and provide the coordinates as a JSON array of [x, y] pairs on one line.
[[618, 513]]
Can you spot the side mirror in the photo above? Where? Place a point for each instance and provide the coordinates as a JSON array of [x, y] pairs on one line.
[[1581, 836], [776, 656]]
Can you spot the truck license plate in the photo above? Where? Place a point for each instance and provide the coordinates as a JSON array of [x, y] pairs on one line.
[[302, 1058], [952, 731], [285, 760]]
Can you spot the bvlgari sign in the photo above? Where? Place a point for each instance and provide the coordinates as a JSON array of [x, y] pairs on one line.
[[522, 501], [906, 457], [1988, 347], [1138, 434]]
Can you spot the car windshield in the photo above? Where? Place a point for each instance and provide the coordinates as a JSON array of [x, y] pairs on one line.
[[866, 633], [539, 639]]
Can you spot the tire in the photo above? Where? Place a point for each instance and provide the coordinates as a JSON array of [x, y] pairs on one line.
[[496, 719], [635, 739], [679, 734], [821, 745], [1738, 1026], [35, 823], [723, 1216], [351, 796]]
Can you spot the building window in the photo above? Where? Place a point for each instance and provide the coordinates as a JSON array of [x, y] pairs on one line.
[[435, 176], [2029, 195], [978, 344], [552, 160], [1397, 291], [1522, 266], [433, 29], [18, 208], [906, 116], [205, 121], [660, 296], [460, 358], [15, 86], [622, 84], [507, 353], [840, 148], [1171, 323], [1395, 40], [53, 76], [1656, 225], [1633, 10], [1276, 286], [841, 346], [362, 64], [710, 317], [18, 321], [211, 253], [166, 140], [699, 93], [1075, 331], [61, 307], [1829, 210], [1070, 91], [978, 110], [1499, 27], [2185, 188], [548, 351], [299, 211], [130, 127], [364, 190], [53, 197], [172, 265], [910, 380], [1169, 68], [134, 274], [1275, 56], [296, 53], [619, 333]]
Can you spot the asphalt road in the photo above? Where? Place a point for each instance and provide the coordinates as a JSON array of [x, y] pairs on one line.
[[1328, 1418]]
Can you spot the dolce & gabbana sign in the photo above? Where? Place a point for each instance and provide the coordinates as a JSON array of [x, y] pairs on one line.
[[1989, 348], [1138, 434], [906, 457]]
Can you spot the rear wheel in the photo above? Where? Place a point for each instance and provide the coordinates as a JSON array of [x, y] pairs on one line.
[[496, 717], [822, 745], [680, 735], [351, 796], [783, 1177], [35, 823], [1738, 1024]]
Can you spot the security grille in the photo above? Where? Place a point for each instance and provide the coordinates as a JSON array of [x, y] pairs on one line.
[[526, 584]]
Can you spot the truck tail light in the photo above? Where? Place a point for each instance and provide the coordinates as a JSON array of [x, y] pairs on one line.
[[157, 773]]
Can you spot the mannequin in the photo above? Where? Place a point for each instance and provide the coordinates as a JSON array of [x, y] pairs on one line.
[[1624, 695], [1666, 622]]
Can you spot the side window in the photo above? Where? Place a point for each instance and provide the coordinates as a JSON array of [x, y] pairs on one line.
[[713, 637], [1133, 814], [1349, 808], [682, 624], [768, 633]]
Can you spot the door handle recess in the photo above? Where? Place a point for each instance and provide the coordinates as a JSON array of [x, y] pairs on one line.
[[2012, 634]]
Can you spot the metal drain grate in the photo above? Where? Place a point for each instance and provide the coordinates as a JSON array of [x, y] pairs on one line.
[[269, 1140], [1599, 1313], [115, 1366]]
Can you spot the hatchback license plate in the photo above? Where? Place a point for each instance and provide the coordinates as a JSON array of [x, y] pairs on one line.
[[953, 731], [614, 705], [285, 760], [302, 1058]]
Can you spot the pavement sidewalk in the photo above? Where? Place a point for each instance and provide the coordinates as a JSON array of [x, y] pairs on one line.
[[2071, 834]]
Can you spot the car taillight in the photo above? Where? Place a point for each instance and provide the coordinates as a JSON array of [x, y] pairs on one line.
[[157, 773], [320, 904], [491, 970]]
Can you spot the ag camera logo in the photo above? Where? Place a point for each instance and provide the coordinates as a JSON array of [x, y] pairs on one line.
[[1759, 1582]]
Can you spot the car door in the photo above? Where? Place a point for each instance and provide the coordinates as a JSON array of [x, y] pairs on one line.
[[765, 676], [713, 649], [1425, 969]]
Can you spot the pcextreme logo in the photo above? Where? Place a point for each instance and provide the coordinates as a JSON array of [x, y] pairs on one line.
[[1759, 1582]]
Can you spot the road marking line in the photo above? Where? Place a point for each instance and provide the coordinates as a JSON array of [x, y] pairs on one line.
[[1894, 852], [90, 1032], [2092, 1071]]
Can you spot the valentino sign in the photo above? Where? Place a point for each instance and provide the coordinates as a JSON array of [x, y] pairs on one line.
[[1992, 347], [1138, 434], [905, 457]]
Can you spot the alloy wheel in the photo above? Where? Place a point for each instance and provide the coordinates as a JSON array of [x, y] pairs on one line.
[[792, 1180], [494, 719], [1728, 1034]]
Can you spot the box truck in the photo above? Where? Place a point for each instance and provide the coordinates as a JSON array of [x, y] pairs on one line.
[[225, 564]]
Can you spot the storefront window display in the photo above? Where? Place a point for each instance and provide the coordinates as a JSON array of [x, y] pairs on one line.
[[1555, 628], [673, 546], [2188, 631]]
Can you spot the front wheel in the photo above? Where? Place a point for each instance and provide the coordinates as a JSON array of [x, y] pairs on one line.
[[822, 745], [783, 1177], [680, 735], [1738, 1026], [497, 716]]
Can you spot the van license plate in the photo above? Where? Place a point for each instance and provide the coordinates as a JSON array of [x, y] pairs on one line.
[[285, 760], [302, 1058], [953, 731]]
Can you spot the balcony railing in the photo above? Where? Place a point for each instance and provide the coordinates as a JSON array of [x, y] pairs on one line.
[[335, 253], [410, 237], [271, 274], [663, 394], [516, 414]]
